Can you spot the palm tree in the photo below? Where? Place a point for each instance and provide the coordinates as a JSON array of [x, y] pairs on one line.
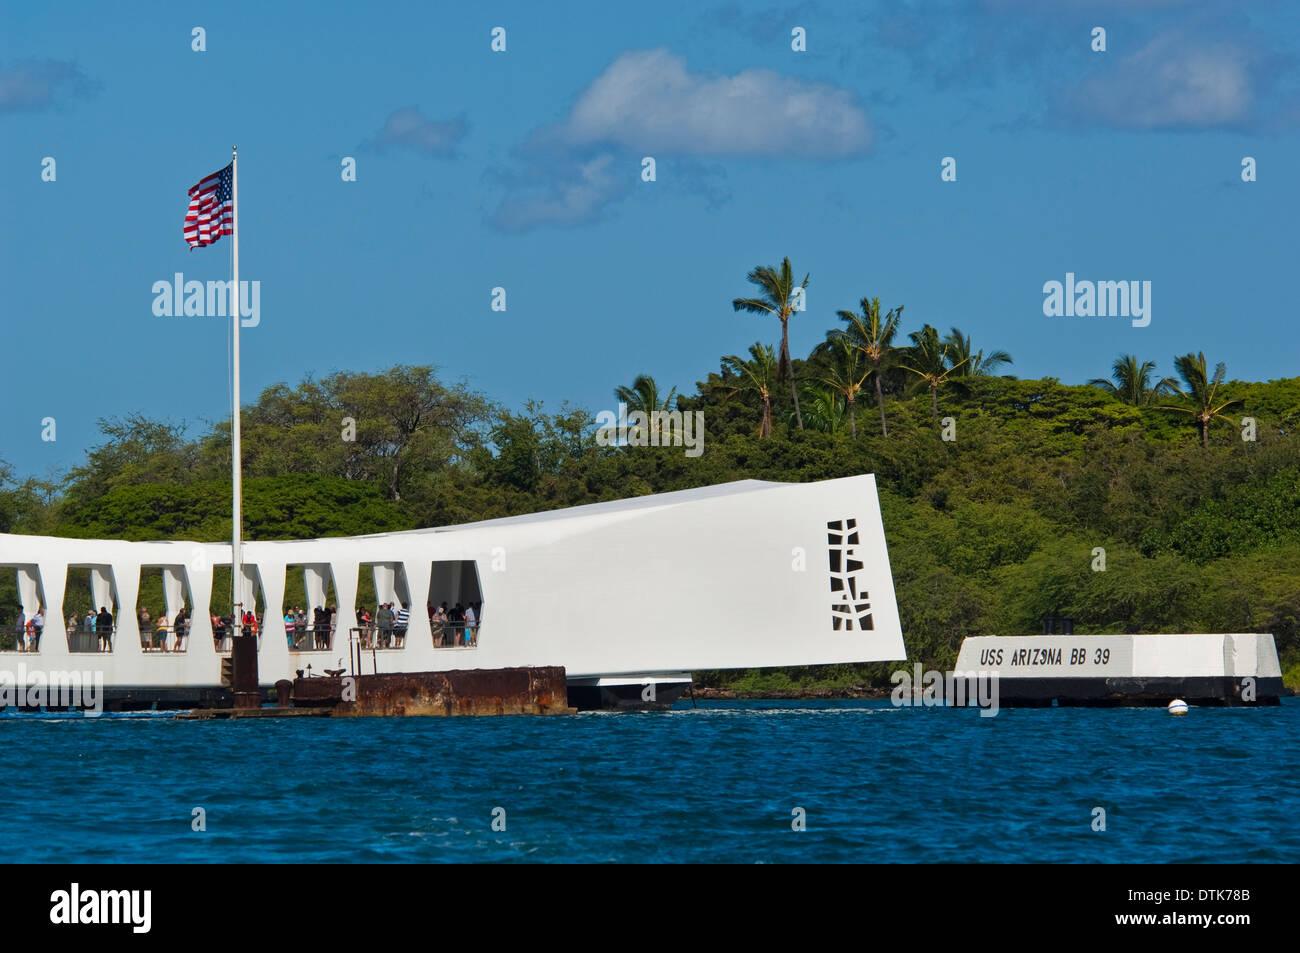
[[1202, 390], [873, 336], [643, 395], [825, 409], [968, 364], [929, 360], [846, 378], [757, 376], [778, 298], [1132, 381]]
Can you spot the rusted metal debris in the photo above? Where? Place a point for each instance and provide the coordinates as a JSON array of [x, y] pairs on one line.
[[501, 691]]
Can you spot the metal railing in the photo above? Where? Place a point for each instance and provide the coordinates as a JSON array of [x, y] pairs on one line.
[[165, 638], [223, 634], [20, 638], [91, 640], [379, 636], [310, 636], [454, 635]]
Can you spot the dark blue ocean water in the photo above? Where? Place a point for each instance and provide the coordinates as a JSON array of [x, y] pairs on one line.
[[719, 783]]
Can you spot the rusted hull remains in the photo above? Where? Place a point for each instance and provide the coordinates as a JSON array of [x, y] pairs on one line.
[[501, 691]]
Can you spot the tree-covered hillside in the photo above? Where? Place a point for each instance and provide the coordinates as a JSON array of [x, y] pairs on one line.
[[1132, 504]]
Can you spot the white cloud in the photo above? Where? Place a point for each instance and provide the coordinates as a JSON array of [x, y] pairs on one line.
[[407, 129], [648, 100], [575, 196], [1172, 82]]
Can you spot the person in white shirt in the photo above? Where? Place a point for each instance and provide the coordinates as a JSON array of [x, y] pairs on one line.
[[471, 625]]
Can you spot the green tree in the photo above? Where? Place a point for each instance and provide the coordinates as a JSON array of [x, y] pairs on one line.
[[778, 298], [970, 363], [873, 336], [359, 426], [1201, 392], [825, 409], [644, 395], [846, 378], [929, 359], [1131, 381], [755, 376]]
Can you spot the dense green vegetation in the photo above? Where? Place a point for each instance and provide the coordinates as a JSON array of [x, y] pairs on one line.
[[988, 531]]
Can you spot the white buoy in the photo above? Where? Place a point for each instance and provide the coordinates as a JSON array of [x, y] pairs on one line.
[[1178, 707]]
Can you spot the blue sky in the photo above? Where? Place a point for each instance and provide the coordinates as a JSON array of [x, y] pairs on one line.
[[521, 169]]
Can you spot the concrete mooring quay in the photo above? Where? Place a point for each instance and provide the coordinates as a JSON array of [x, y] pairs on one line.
[[502, 691]]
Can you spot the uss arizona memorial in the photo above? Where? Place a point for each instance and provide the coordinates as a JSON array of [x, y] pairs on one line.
[[623, 594]]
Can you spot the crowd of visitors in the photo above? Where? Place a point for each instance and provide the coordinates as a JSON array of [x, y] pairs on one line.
[[157, 635], [457, 625], [25, 636], [386, 627]]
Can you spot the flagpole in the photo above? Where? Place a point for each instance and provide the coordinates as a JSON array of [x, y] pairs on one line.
[[236, 565]]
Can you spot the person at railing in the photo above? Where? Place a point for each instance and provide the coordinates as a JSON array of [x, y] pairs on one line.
[[384, 624], [104, 629], [180, 629], [72, 627], [249, 623], [367, 631], [319, 627], [160, 633], [34, 627], [444, 625], [88, 624], [436, 620], [456, 622], [300, 622], [144, 621], [401, 621], [471, 625], [289, 626]]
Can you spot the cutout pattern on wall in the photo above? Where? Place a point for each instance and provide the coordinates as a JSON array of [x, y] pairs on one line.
[[850, 602]]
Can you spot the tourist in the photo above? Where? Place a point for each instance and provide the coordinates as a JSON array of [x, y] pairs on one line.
[[288, 628], [384, 624], [471, 625], [180, 629], [444, 622], [320, 627], [145, 623], [401, 620], [104, 629], [161, 632], [34, 626]]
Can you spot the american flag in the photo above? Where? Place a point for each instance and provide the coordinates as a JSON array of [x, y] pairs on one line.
[[212, 212]]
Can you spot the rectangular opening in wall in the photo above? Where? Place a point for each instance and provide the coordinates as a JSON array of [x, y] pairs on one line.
[[310, 609], [23, 611], [164, 609], [383, 605], [91, 597], [455, 603], [220, 606]]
